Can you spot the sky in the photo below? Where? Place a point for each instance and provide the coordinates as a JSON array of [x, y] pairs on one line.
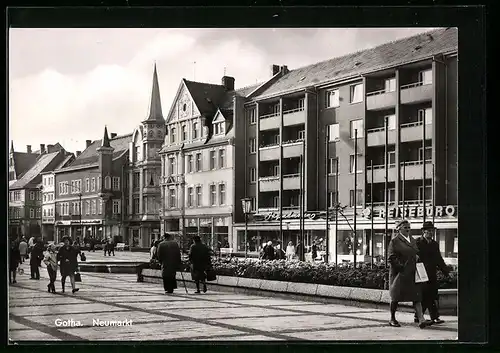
[[66, 84]]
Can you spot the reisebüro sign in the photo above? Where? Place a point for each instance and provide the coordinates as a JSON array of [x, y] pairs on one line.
[[448, 211]]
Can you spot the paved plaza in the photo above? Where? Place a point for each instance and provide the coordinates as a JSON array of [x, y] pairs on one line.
[[148, 314]]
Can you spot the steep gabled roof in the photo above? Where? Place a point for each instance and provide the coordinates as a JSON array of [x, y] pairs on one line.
[[90, 157], [23, 161], [206, 96], [33, 174], [418, 47], [65, 162]]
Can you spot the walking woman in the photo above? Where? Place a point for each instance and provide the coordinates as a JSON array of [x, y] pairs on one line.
[[67, 256], [290, 251], [14, 261], [199, 256], [402, 257], [50, 260]]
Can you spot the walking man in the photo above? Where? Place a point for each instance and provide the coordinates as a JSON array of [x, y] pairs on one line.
[[23, 249], [169, 255], [431, 257]]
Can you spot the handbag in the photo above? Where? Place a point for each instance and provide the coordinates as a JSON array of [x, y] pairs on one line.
[[211, 275], [83, 257], [78, 277], [421, 273]]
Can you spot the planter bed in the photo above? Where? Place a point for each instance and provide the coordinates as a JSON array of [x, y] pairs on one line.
[[362, 297]]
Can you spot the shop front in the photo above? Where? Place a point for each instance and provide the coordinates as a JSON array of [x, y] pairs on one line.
[[215, 232], [368, 243], [76, 229]]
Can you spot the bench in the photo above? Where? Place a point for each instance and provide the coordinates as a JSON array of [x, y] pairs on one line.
[[120, 246]]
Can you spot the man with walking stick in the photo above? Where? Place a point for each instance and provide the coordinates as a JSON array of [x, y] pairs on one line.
[[169, 255]]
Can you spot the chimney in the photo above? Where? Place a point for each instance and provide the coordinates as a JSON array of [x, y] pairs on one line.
[[274, 69], [284, 69], [28, 148], [228, 83], [88, 143], [50, 148], [42, 148], [78, 153], [113, 135]]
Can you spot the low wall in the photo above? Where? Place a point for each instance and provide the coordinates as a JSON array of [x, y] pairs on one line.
[[109, 267], [309, 291]]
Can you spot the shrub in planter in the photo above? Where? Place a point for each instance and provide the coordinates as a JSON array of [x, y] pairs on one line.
[[345, 275]]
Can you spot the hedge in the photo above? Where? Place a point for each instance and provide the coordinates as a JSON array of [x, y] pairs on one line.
[[345, 275]]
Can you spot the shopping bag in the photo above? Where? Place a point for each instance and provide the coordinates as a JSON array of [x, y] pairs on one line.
[[211, 276], [421, 273], [78, 277]]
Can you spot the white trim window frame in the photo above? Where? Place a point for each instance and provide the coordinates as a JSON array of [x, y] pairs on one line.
[[332, 98]]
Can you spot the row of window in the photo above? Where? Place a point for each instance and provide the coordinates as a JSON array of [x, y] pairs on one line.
[[194, 162], [15, 213], [48, 181], [217, 193], [48, 197], [91, 185], [89, 207], [218, 129], [48, 212]]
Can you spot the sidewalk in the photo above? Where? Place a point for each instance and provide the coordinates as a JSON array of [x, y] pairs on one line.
[[149, 314]]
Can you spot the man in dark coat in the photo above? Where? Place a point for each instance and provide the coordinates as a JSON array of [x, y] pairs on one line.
[[269, 253], [402, 257], [67, 256], [169, 255], [431, 257], [14, 261], [36, 257], [199, 256]]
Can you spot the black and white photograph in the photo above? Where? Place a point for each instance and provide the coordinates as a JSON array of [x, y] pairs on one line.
[[233, 184]]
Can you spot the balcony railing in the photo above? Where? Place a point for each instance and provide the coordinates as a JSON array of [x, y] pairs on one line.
[[291, 142], [415, 202], [377, 129], [291, 175], [381, 166], [378, 203], [417, 162], [375, 93], [269, 115], [274, 144], [415, 84], [290, 111], [269, 178], [415, 123], [290, 208]]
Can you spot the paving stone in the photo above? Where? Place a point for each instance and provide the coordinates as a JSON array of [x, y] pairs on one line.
[[17, 326], [59, 309], [231, 312], [241, 338], [249, 283], [333, 291], [331, 309], [302, 288], [31, 335], [227, 281], [276, 286], [46, 301], [372, 295]]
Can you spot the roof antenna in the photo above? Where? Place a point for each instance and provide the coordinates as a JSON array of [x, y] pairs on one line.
[[194, 70]]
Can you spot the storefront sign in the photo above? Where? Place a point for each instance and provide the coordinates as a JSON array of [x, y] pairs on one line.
[[15, 222], [412, 212], [47, 220], [275, 216], [87, 222]]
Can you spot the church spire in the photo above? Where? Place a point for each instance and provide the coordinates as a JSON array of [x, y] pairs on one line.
[[155, 107], [11, 146], [105, 139]]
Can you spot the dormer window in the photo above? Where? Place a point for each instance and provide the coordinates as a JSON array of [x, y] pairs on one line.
[[172, 135], [218, 128]]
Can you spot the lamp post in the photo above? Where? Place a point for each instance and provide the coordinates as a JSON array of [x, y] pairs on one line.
[[246, 204], [80, 215]]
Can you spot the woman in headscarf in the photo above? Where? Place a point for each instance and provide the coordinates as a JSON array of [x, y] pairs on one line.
[[67, 256], [50, 260], [403, 256]]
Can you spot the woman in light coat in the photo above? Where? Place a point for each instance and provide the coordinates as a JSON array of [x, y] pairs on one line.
[[50, 259], [403, 256], [290, 251]]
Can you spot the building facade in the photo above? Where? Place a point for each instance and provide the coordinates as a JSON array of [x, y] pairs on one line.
[[143, 175], [89, 192], [343, 106], [25, 193], [197, 160]]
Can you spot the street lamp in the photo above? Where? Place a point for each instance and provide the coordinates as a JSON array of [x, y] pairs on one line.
[[246, 204]]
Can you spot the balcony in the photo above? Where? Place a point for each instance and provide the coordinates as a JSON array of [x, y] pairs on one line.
[[414, 131], [269, 122], [291, 182], [294, 117], [379, 173], [376, 137], [416, 93], [151, 189], [292, 148], [379, 100], [413, 170], [269, 153], [270, 183]]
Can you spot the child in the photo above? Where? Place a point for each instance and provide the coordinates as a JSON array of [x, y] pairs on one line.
[[50, 260]]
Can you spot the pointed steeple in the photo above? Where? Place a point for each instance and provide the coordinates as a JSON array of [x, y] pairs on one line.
[[11, 146], [155, 106], [105, 139]]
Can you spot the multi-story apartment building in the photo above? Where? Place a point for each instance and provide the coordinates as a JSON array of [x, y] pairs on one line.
[[20, 162], [25, 194], [143, 174], [197, 158], [411, 84], [89, 192]]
